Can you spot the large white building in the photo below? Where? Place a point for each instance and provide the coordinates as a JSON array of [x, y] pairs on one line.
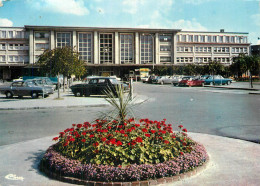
[[115, 51]]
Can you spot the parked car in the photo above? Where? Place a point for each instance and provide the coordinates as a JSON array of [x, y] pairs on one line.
[[165, 80], [195, 81], [216, 80], [96, 86], [152, 79], [45, 81], [144, 79], [38, 82], [185, 80], [22, 88], [176, 79]]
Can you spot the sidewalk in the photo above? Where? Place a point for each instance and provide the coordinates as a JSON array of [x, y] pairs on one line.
[[67, 100], [232, 162]]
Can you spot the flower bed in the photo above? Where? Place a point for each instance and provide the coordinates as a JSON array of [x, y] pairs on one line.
[[113, 151]]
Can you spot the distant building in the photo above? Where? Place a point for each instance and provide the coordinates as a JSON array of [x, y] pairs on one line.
[[117, 51]]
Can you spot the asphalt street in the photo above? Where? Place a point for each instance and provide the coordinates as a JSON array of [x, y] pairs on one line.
[[230, 113]]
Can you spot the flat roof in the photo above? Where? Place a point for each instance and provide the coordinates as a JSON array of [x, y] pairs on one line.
[[69, 28], [214, 32]]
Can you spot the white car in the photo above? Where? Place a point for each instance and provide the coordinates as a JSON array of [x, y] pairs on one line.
[[144, 79], [165, 80], [176, 79]]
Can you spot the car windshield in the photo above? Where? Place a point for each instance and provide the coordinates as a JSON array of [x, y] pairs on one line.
[[185, 78], [113, 81]]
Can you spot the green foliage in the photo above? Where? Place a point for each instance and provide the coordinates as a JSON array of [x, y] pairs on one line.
[[61, 60]]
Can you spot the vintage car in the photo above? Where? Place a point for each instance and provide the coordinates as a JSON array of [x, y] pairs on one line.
[[22, 88], [165, 80], [96, 86], [216, 80], [39, 82], [176, 79], [191, 81]]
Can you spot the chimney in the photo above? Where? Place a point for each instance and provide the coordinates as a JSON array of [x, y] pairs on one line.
[[222, 30]]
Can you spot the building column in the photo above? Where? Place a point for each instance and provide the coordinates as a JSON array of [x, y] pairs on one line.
[[96, 61], [137, 57], [157, 49], [116, 49], [31, 47], [74, 40], [52, 40]]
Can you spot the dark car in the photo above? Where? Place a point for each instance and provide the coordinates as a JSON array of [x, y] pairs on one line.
[[216, 80], [22, 88], [95, 86]]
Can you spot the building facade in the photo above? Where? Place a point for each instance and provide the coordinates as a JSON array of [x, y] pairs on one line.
[[116, 51]]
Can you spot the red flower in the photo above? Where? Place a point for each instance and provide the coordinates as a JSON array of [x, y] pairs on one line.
[[126, 135], [161, 138], [119, 143], [83, 140], [72, 139], [137, 125], [91, 135], [79, 125], [184, 144], [65, 144], [144, 130], [122, 131], [73, 125], [109, 127], [173, 136], [163, 131], [95, 144], [181, 153], [117, 131], [133, 128], [139, 139], [55, 139], [83, 133], [180, 126], [125, 124], [113, 141], [103, 139], [166, 142], [153, 131], [184, 130], [129, 130], [147, 135]]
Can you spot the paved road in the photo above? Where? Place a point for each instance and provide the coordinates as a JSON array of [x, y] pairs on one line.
[[232, 113]]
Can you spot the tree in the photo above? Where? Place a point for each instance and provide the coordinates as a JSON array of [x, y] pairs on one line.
[[244, 63], [61, 61]]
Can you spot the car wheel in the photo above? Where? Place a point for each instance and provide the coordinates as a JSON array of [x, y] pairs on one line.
[[228, 83], [9, 94], [175, 84], [211, 83], [162, 82], [78, 94], [202, 84], [34, 95]]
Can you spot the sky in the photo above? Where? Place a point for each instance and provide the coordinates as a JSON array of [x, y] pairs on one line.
[[188, 15]]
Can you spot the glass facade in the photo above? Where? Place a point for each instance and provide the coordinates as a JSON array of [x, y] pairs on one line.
[[106, 48], [63, 39], [126, 48], [85, 47], [146, 49]]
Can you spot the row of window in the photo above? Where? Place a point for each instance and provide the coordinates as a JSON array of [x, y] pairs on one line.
[[211, 39], [201, 59], [215, 49], [14, 58], [14, 46], [12, 34]]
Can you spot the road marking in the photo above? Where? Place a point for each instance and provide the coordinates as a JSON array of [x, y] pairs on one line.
[[14, 177]]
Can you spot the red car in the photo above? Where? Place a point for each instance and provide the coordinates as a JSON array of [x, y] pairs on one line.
[[191, 81]]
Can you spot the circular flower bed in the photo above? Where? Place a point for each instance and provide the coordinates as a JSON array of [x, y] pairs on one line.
[[123, 151]]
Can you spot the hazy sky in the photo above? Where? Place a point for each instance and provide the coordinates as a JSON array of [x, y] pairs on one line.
[[195, 15]]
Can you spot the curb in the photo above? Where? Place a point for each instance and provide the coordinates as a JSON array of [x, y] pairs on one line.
[[251, 89], [159, 181]]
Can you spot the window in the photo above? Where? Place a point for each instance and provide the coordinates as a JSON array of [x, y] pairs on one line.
[[227, 39], [2, 46], [63, 39], [11, 46], [41, 35], [190, 38], [85, 47], [165, 59], [10, 33], [196, 38], [214, 39], [240, 39], [41, 46], [165, 38], [146, 49], [165, 48], [220, 39], [183, 38], [106, 48], [18, 34], [11, 59], [202, 39], [2, 58], [245, 40], [209, 39], [126, 48], [178, 38], [232, 39], [16, 46], [3, 34]]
